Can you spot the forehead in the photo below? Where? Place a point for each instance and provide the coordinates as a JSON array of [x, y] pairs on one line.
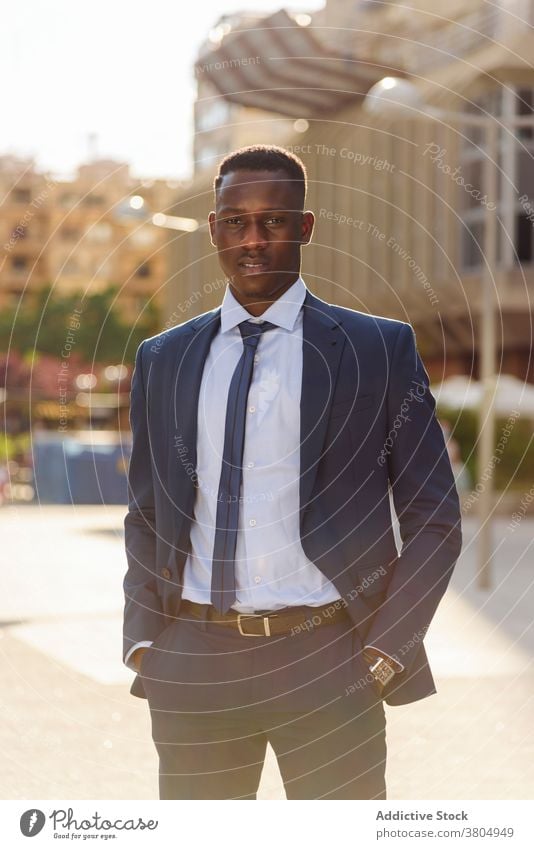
[[248, 190]]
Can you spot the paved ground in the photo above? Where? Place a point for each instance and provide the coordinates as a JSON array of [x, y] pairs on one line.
[[70, 729]]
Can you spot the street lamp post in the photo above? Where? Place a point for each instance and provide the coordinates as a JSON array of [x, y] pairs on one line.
[[399, 97], [487, 359]]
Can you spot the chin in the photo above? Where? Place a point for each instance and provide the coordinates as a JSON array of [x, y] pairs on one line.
[[252, 283]]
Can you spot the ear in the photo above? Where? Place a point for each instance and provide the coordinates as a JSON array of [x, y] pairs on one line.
[[306, 227], [212, 226]]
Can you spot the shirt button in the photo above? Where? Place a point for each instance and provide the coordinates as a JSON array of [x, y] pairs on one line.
[[252, 409], [252, 522], [257, 579], [256, 358], [250, 465], [166, 573]]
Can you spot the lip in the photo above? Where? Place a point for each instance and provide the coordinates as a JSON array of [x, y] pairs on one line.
[[253, 266]]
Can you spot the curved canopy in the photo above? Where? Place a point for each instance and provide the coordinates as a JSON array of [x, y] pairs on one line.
[[277, 65]]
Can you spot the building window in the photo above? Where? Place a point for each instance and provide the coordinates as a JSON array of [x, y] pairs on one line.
[[472, 244], [70, 234], [523, 238], [19, 264], [99, 233], [144, 270], [143, 237], [515, 195], [93, 200], [67, 200], [525, 106], [206, 156], [214, 114], [21, 195]]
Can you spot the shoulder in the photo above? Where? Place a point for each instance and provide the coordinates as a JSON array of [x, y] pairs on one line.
[[171, 337], [370, 326], [356, 319], [368, 320], [378, 337]]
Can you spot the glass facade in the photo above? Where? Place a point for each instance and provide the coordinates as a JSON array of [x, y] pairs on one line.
[[515, 163]]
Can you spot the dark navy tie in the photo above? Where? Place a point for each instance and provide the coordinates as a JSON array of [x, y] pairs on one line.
[[223, 592]]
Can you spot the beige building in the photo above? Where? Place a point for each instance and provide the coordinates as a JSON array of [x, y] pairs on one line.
[[399, 203], [82, 235]]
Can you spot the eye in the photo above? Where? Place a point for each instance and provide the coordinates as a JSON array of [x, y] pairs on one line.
[[275, 220], [231, 221]]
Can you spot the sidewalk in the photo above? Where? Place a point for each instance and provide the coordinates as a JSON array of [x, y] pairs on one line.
[[70, 729]]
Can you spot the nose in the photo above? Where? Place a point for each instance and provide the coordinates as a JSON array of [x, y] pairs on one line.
[[254, 236]]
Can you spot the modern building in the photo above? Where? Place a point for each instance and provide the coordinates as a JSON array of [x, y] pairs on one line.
[[83, 234], [400, 203], [221, 124]]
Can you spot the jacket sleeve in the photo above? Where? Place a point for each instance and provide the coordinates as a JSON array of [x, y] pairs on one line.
[[426, 503], [143, 614]]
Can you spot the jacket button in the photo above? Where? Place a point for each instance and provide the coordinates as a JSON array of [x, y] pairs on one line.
[[166, 573]]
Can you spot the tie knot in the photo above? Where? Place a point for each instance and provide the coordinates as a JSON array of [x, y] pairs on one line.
[[251, 331]]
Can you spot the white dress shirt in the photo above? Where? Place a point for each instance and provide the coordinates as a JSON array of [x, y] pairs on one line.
[[271, 568]]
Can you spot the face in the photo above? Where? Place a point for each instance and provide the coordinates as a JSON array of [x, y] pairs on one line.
[[258, 229]]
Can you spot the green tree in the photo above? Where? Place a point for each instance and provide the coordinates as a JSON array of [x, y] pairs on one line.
[[91, 326]]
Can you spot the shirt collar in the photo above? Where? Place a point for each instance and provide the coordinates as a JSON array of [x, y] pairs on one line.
[[283, 312]]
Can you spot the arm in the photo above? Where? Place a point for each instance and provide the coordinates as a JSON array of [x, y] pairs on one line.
[[143, 614], [426, 504]]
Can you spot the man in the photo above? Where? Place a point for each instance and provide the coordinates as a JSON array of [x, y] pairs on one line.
[[265, 598]]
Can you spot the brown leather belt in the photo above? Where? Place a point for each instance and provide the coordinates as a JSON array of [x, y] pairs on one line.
[[287, 620]]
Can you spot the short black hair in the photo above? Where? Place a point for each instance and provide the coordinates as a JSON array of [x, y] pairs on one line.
[[264, 157]]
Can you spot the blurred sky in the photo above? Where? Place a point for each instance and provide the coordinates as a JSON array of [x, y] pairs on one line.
[[119, 68]]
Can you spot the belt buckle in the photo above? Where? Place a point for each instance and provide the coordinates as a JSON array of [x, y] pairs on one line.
[[266, 626]]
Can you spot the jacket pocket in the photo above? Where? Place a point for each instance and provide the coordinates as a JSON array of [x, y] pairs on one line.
[[152, 650]]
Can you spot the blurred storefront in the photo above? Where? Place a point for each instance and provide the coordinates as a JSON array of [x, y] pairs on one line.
[[80, 467]]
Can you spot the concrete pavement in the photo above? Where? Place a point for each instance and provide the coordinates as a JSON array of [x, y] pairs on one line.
[[70, 729]]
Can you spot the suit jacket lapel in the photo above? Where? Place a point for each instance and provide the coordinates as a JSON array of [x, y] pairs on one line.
[[185, 390], [322, 347]]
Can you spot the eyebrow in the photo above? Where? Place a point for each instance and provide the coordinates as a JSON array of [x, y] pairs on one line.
[[244, 212]]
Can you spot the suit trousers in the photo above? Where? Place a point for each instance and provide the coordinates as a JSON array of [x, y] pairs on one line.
[[217, 698]]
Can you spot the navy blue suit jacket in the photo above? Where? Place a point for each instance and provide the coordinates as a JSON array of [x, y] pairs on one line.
[[367, 424]]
